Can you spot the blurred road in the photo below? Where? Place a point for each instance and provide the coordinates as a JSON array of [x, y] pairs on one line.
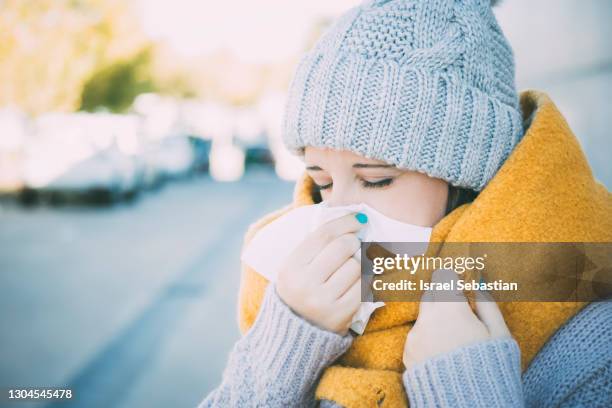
[[132, 306]]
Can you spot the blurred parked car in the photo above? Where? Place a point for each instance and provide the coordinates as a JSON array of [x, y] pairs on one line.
[[103, 178], [249, 134], [82, 158], [226, 161], [258, 154], [286, 165], [13, 130], [172, 157], [201, 151]]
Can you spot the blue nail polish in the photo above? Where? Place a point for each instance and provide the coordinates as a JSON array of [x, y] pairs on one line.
[[361, 217]]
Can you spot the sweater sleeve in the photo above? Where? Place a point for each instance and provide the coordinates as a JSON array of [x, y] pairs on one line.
[[278, 361], [574, 368], [484, 374]]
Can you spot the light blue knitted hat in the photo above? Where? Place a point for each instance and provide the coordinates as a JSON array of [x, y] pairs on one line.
[[426, 85]]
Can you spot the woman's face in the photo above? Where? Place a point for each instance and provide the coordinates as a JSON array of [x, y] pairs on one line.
[[346, 178]]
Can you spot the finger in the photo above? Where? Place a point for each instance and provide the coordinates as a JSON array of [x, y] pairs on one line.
[[324, 234], [343, 278], [427, 299], [490, 315], [334, 255], [445, 287], [439, 291], [351, 299], [448, 299]]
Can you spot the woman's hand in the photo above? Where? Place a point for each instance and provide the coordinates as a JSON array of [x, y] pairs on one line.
[[320, 280], [446, 322]]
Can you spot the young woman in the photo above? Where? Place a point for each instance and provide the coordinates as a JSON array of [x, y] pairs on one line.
[[410, 107]]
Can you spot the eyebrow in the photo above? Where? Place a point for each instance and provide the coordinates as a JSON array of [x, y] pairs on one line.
[[356, 166]]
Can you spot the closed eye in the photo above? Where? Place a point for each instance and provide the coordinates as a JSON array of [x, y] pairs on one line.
[[377, 184]]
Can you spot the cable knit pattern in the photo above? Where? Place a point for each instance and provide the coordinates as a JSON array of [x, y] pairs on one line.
[[427, 85], [485, 374], [277, 363]]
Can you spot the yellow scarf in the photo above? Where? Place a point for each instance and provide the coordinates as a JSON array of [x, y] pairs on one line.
[[544, 192]]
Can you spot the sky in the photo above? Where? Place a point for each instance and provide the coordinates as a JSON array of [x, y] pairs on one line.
[[262, 31]]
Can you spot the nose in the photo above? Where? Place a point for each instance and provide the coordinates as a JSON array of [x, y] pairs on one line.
[[342, 195]]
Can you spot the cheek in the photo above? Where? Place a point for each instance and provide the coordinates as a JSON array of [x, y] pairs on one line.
[[404, 201], [392, 201]]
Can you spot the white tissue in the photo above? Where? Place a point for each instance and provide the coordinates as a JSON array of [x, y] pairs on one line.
[[285, 233]]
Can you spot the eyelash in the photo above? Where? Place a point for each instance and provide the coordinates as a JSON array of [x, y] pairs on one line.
[[364, 183], [377, 184]]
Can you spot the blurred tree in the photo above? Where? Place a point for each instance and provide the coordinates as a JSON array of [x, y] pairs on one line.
[[49, 48], [64, 55], [115, 86]]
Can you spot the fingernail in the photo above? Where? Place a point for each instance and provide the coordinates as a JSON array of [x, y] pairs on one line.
[[361, 217]]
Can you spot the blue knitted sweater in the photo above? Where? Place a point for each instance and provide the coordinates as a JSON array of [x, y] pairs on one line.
[[279, 360]]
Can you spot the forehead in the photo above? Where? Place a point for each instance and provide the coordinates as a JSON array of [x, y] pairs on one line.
[[318, 155]]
